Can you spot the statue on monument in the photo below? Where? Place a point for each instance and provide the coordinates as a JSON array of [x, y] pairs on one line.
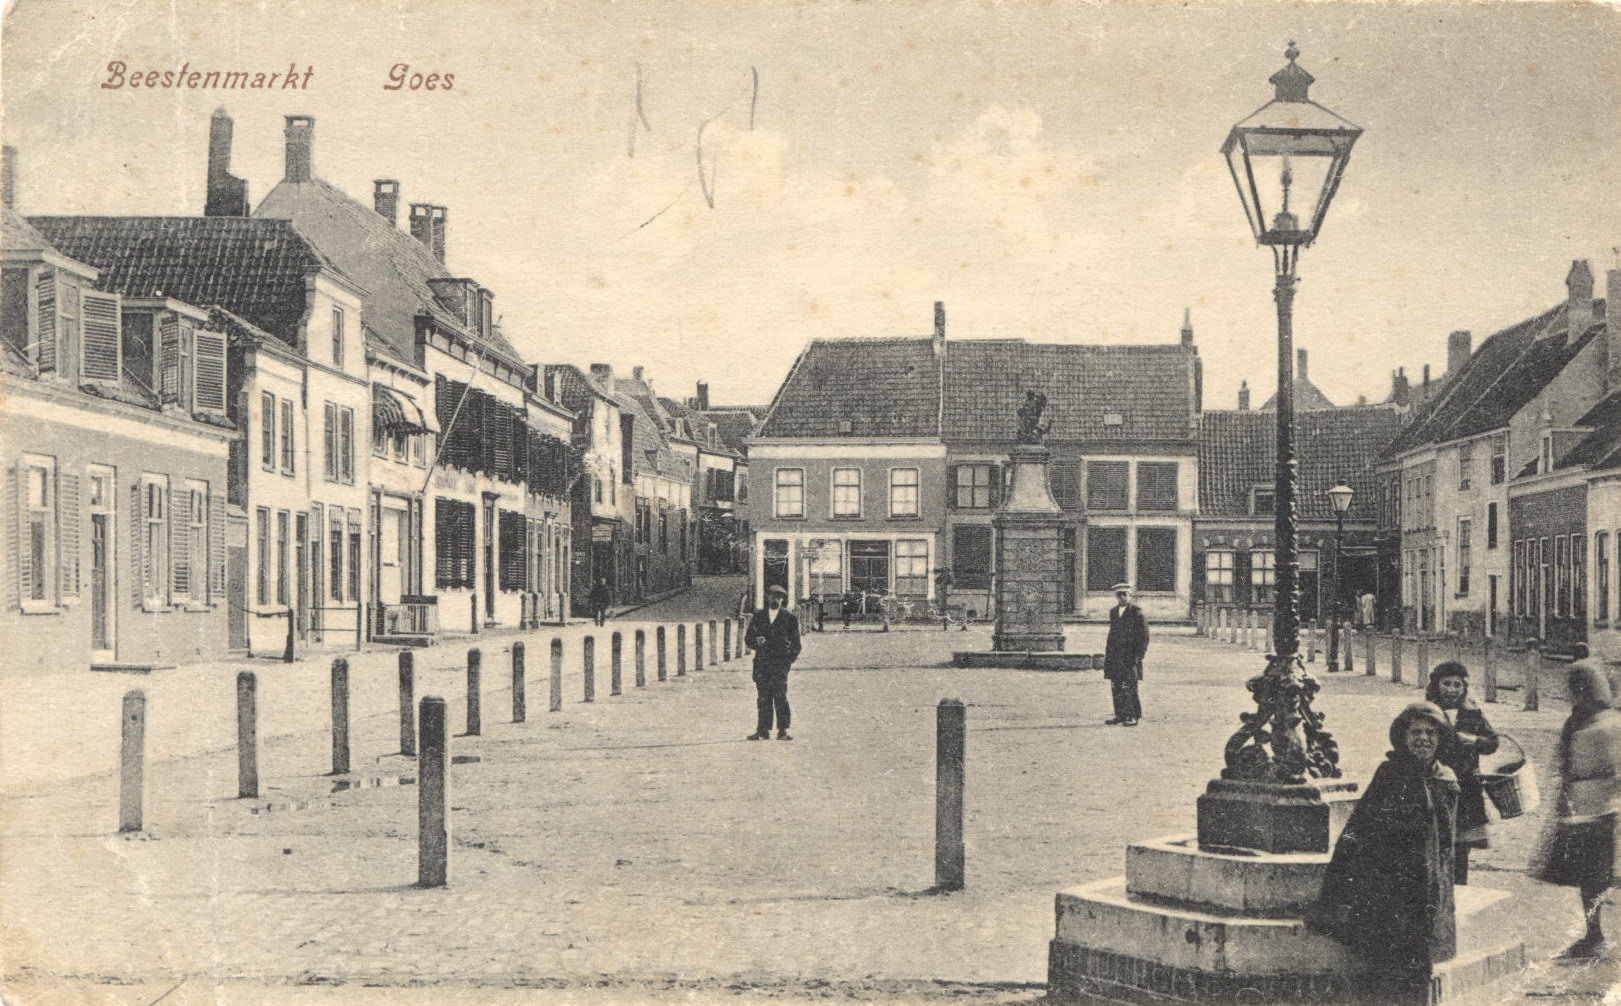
[[1031, 428]]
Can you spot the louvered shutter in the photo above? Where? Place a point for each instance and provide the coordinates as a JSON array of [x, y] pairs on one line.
[[137, 535], [216, 547], [951, 486], [45, 349], [103, 356], [169, 359], [1066, 483], [512, 556], [209, 351], [17, 564], [181, 574], [67, 498], [330, 441], [996, 486], [184, 387]]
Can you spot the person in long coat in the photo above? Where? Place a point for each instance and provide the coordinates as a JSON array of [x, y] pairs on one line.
[[773, 632], [1471, 737], [1387, 892], [1580, 849], [1123, 656]]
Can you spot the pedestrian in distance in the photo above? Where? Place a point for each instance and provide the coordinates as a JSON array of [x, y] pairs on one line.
[[773, 632], [1469, 738], [601, 601], [1123, 657], [1579, 848], [1387, 893]]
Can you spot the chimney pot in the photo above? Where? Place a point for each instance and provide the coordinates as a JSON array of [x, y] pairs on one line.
[[226, 195], [8, 177], [636, 372], [1458, 347], [428, 226], [1426, 377], [1579, 302], [602, 373], [939, 326], [1187, 326], [1243, 396], [386, 199], [703, 396], [300, 134]]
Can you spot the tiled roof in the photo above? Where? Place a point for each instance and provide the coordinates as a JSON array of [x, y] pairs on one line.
[[883, 387], [18, 235], [1508, 370], [1150, 388], [254, 268], [389, 263], [698, 424], [1237, 451], [1307, 396], [735, 425], [1601, 447], [651, 452]]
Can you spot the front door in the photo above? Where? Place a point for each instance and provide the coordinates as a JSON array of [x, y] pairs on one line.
[[489, 559], [103, 581], [301, 548]]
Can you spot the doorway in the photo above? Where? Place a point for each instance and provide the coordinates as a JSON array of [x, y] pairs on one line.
[[103, 572]]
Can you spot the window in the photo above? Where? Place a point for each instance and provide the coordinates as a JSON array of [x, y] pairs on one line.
[[38, 560], [283, 535], [154, 565], [912, 566], [262, 536], [1465, 527], [455, 545], [790, 492], [1578, 576], [1429, 485], [337, 337], [613, 486], [972, 484], [846, 492], [1545, 460], [664, 532], [1218, 576], [288, 448], [1601, 576], [597, 482], [869, 566], [903, 492], [267, 430], [334, 537], [1466, 467], [1106, 486], [1156, 485], [354, 555], [1066, 483], [1561, 571], [1156, 558], [827, 567], [340, 444], [191, 543], [1105, 557], [971, 556], [1263, 577], [1491, 525]]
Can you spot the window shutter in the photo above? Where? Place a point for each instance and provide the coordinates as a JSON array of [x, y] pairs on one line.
[[1105, 557], [137, 534], [1106, 485], [67, 499], [1156, 485], [216, 547], [1066, 476], [17, 564], [209, 392], [103, 357], [181, 574], [513, 555], [45, 349], [169, 359], [951, 486], [330, 440], [1156, 558]]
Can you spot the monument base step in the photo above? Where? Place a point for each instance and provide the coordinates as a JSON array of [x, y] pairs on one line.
[[1027, 660]]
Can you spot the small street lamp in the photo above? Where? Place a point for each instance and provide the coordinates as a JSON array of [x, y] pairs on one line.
[[1286, 161], [1340, 496]]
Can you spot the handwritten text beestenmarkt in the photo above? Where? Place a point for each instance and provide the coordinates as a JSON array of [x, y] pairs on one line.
[[119, 76]]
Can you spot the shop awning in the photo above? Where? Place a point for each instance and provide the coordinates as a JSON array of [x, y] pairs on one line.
[[397, 412]]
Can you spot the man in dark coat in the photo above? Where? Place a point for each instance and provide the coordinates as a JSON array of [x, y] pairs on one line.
[[1123, 656], [773, 632], [601, 601]]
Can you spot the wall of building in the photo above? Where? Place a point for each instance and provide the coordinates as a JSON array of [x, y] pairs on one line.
[[1604, 518]]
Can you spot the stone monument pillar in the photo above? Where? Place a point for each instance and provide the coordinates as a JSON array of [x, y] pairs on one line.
[[1029, 573]]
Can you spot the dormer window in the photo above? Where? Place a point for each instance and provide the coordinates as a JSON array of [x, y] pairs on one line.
[[1263, 501], [846, 427]]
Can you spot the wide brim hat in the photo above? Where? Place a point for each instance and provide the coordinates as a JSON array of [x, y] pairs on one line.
[[777, 591]]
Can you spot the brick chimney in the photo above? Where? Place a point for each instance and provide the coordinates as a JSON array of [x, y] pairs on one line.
[[8, 177], [1400, 393], [1426, 379], [636, 372], [227, 194], [1243, 396], [1458, 351], [939, 326], [300, 133], [1612, 327], [1187, 326], [1300, 365], [703, 396], [385, 199], [428, 226], [1579, 299], [602, 373]]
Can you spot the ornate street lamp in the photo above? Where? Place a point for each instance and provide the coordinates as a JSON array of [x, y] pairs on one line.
[[1340, 496], [1286, 160]]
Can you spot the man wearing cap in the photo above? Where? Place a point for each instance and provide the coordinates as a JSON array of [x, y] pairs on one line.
[[774, 634], [1123, 656]]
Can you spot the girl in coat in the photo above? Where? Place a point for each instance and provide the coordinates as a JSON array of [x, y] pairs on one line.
[[1580, 852], [1471, 737], [1387, 893]]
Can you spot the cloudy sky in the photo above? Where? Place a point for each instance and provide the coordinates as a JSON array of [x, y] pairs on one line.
[[1048, 170]]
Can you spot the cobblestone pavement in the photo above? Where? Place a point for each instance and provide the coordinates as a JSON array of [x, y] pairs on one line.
[[637, 848]]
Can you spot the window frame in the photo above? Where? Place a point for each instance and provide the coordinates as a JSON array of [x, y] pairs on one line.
[[1465, 558], [1601, 577], [1160, 505], [777, 496], [289, 439], [897, 492], [915, 558], [267, 430], [156, 562], [975, 489], [261, 533], [844, 497], [1144, 584], [1220, 576], [47, 573], [337, 337]]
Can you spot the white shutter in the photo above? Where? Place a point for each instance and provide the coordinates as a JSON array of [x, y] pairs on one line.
[[102, 359], [180, 572], [169, 359], [17, 563], [209, 368], [138, 573], [68, 514], [45, 347], [216, 547]]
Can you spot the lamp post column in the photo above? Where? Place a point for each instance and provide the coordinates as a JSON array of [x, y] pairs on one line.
[[1286, 556], [1334, 597]]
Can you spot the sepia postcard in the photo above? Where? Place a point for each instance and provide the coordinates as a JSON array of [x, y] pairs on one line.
[[738, 501]]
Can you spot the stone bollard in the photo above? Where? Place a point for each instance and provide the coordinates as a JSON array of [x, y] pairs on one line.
[[1369, 640], [949, 738], [726, 639], [659, 647], [697, 646], [474, 610], [1347, 639], [247, 735], [340, 717], [588, 660], [433, 797], [1221, 625], [1533, 679], [475, 697], [557, 675], [615, 653], [1488, 670], [714, 650], [680, 650], [131, 760], [519, 686], [641, 658], [1395, 657], [408, 712], [1421, 673]]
